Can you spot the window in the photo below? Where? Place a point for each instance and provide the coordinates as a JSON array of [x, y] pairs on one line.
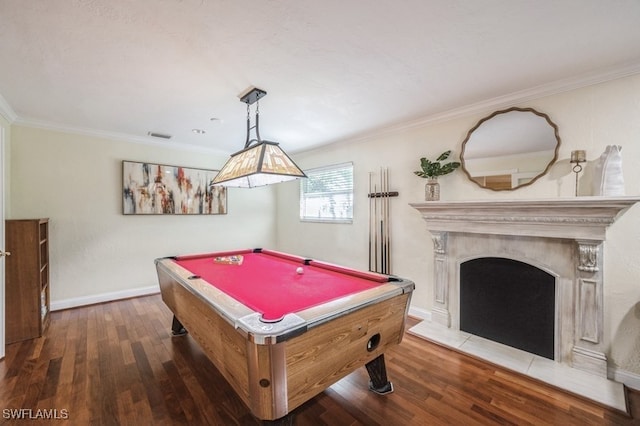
[[327, 194]]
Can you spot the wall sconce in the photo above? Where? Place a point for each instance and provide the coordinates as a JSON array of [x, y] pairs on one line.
[[261, 164], [577, 158]]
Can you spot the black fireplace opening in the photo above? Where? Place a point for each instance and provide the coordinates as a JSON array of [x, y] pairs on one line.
[[509, 302]]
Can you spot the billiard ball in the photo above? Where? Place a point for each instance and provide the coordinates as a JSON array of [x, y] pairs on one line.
[[300, 270]]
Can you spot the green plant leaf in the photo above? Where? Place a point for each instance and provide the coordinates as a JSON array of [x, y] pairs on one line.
[[444, 156], [431, 169]]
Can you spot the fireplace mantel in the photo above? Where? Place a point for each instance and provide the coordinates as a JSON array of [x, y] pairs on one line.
[[574, 218]]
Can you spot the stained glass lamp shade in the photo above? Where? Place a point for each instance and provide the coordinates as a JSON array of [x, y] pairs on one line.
[[262, 164]]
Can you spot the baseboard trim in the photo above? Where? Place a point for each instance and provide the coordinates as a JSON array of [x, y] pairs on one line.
[[58, 305], [420, 313], [631, 380]]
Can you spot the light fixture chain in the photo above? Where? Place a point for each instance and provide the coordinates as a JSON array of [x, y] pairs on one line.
[[259, 140], [256, 125]]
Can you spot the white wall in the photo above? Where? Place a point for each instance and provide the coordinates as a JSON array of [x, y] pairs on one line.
[[588, 118], [76, 181]]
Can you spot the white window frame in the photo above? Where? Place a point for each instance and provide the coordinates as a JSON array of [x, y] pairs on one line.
[[305, 197]]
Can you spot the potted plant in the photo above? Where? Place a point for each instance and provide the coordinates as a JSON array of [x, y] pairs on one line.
[[431, 170]]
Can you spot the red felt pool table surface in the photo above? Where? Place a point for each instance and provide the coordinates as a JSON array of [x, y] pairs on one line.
[[267, 281]]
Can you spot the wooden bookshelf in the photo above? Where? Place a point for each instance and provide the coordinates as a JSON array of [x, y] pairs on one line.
[[26, 278]]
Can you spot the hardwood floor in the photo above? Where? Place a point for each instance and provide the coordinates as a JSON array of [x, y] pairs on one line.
[[117, 364]]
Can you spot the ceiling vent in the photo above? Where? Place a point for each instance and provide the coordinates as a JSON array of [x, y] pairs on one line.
[[159, 135]]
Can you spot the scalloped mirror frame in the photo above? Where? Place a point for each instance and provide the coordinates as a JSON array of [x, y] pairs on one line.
[[494, 114]]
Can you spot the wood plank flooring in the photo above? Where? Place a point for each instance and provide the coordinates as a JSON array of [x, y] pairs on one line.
[[117, 364]]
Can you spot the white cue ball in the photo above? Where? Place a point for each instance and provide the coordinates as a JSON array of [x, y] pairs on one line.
[[300, 270]]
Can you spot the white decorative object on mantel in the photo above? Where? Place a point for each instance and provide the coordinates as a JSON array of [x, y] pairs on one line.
[[608, 180]]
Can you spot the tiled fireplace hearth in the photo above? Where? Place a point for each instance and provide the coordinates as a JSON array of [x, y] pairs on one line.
[[563, 237]]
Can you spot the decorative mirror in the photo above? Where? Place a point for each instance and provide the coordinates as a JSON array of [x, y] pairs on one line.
[[510, 149]]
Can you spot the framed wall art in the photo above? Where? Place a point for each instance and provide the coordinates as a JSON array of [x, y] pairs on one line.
[[149, 188]]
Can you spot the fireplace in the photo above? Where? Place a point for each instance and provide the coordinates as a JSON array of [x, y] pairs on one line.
[[560, 239], [509, 302]]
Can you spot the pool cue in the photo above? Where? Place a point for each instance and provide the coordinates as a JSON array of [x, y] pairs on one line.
[[385, 201], [383, 253], [370, 218], [387, 221], [384, 220], [375, 228], [379, 223]]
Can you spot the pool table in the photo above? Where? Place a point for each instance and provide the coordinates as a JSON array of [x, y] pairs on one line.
[[282, 328]]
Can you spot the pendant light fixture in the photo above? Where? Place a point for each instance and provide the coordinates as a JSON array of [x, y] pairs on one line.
[[260, 162]]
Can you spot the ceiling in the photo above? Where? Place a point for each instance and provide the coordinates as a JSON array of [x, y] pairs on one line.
[[332, 69]]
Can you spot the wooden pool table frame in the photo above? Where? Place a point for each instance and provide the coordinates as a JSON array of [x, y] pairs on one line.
[[275, 368]]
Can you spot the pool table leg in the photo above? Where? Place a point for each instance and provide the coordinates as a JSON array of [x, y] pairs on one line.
[[177, 329], [378, 375]]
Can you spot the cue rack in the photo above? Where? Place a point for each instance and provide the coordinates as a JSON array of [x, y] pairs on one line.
[[379, 223]]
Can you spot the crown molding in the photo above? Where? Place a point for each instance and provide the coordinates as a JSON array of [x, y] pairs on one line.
[[542, 91], [506, 101], [123, 137], [512, 99], [6, 111]]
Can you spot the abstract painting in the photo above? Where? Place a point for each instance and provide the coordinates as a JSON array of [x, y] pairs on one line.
[[149, 188]]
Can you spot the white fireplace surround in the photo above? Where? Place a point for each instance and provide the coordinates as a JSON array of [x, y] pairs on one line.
[[564, 237]]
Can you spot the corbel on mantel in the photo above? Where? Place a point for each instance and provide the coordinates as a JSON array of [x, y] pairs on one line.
[[494, 223]]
